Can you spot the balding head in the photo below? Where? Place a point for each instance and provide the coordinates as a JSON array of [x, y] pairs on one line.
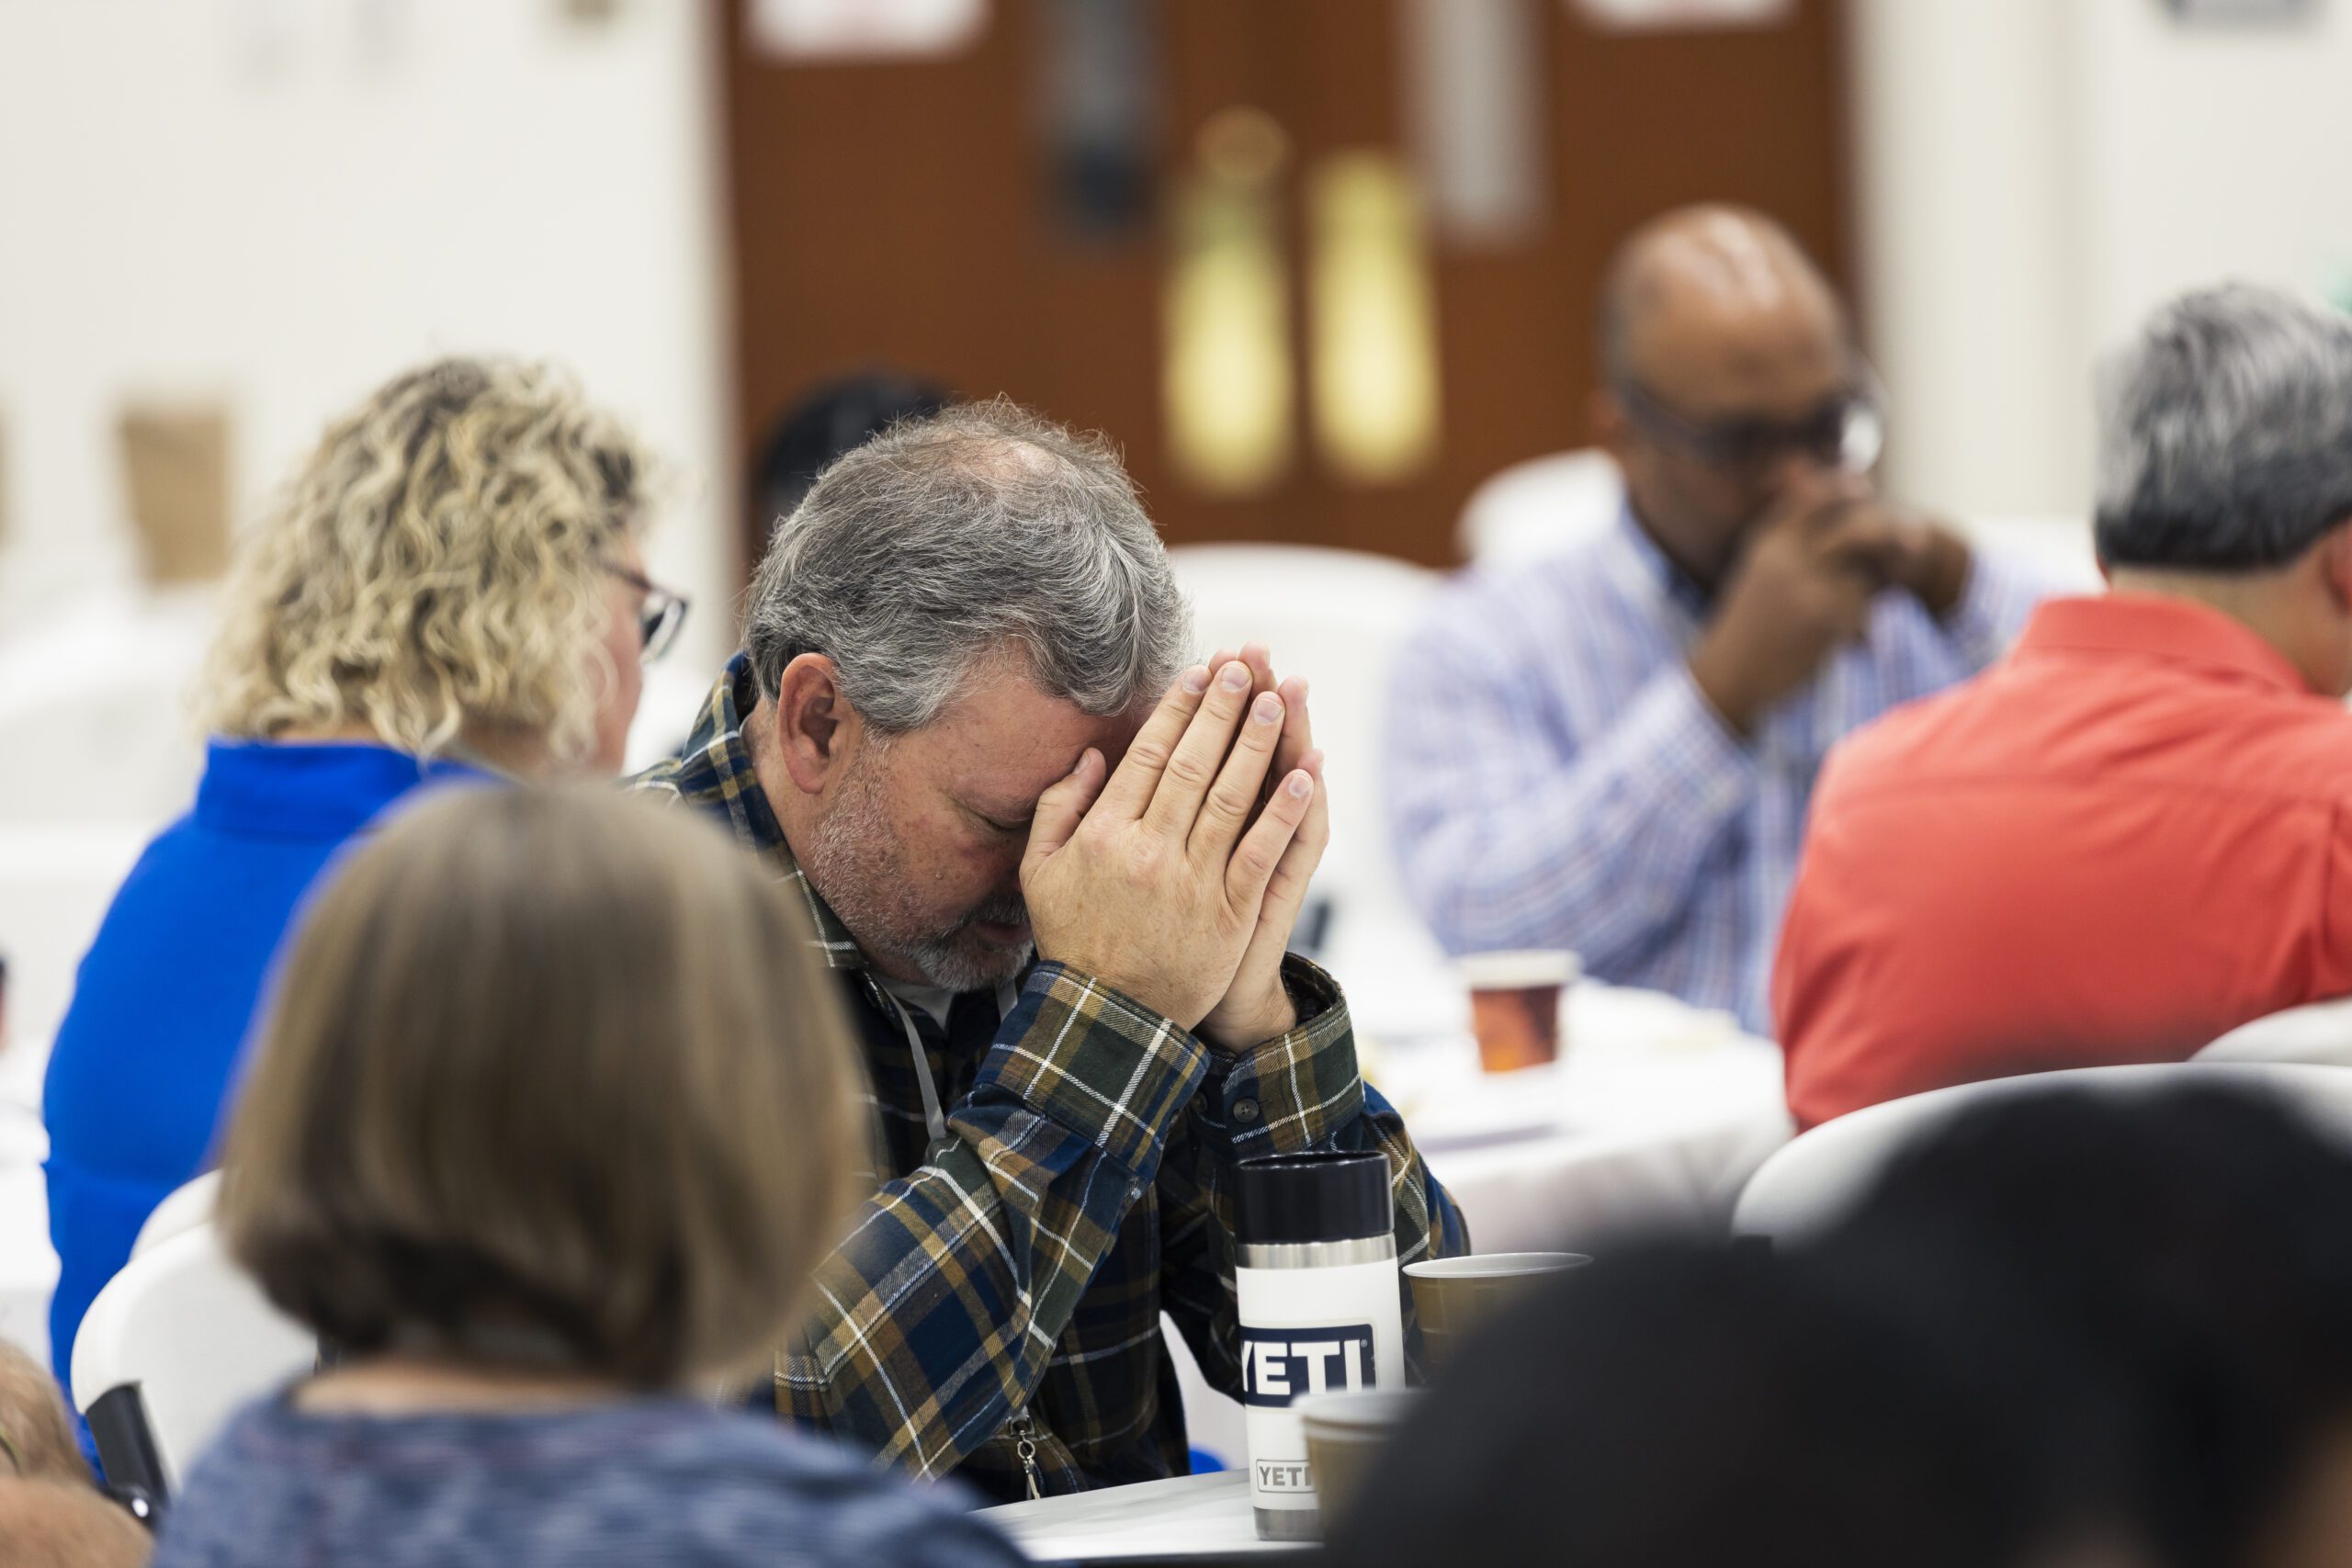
[[1713, 322], [1716, 274]]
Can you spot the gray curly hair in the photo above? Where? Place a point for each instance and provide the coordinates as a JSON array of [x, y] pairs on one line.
[[943, 539]]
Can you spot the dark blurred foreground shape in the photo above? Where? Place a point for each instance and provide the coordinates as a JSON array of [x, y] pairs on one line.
[[2069, 1331], [828, 421]]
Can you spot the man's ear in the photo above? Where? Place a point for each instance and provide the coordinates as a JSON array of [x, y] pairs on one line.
[[815, 725], [2334, 555]]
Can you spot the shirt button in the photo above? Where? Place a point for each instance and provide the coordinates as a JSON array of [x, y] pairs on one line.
[[1245, 1110]]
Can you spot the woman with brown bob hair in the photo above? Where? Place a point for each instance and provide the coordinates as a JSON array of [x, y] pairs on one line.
[[551, 1118]]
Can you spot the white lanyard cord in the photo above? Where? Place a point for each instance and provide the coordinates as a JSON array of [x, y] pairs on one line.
[[933, 1118]]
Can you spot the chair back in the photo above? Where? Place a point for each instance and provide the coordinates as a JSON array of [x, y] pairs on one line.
[[1811, 1184], [1540, 507], [194, 1335], [1338, 618], [187, 1208], [87, 687], [2319, 1035], [2057, 551]]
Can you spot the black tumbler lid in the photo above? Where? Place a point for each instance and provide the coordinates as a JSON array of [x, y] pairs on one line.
[[1280, 1198]]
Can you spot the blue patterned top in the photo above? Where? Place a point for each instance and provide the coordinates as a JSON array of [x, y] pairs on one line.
[[634, 1481]]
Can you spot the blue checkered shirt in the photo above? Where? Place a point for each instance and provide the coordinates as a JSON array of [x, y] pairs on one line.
[[1555, 779]]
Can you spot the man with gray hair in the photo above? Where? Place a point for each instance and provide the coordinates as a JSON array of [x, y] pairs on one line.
[[2136, 833], [1056, 871]]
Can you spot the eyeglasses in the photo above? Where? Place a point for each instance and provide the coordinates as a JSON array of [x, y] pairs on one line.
[[1846, 432], [658, 618]]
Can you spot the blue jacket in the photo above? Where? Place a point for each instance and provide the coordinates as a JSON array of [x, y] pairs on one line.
[[142, 1063]]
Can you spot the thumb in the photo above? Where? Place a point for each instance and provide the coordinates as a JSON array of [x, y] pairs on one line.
[[1062, 807]]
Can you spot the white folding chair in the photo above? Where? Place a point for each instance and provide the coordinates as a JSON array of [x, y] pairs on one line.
[[187, 1208], [2319, 1035], [91, 689], [1338, 618], [1540, 507], [2057, 551], [170, 1349], [1810, 1184]]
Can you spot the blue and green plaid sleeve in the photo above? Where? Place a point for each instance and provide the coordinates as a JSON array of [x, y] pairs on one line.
[[1292, 1094], [934, 1322]]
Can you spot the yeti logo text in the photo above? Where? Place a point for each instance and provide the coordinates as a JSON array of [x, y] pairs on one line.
[[1278, 1364], [1290, 1477]]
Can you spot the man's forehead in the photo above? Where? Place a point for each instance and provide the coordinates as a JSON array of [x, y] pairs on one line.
[[1710, 359], [1003, 741]]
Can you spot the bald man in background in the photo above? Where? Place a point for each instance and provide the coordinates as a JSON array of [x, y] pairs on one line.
[[1610, 750]]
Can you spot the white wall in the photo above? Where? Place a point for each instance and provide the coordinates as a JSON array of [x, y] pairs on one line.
[[1964, 162], [2034, 175], [283, 201]]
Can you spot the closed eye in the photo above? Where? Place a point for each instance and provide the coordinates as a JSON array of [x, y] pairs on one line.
[[1018, 827]]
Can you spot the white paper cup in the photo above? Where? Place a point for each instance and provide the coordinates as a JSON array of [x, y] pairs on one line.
[[1452, 1296], [1515, 1005], [1345, 1433]]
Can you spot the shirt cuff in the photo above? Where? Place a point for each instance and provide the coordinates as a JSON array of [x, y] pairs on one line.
[[1097, 1063], [1291, 1093]]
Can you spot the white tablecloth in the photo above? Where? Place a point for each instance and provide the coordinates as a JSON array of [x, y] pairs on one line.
[[1656, 1114], [1191, 1516]]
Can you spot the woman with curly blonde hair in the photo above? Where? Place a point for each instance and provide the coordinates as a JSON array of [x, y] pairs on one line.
[[449, 590]]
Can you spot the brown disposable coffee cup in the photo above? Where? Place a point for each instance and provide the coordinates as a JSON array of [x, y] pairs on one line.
[[1345, 1433], [1515, 1005], [1452, 1296]]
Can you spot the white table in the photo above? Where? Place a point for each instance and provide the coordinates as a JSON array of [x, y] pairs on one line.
[[1192, 1518], [1655, 1115]]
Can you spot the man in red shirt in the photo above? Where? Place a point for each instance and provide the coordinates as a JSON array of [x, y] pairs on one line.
[[2135, 833]]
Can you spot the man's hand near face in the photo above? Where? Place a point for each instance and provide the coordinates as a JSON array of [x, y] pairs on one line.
[[1258, 1007], [1155, 880], [1930, 562], [1802, 589]]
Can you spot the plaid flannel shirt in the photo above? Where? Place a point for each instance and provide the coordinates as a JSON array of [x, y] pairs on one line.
[[1008, 1280]]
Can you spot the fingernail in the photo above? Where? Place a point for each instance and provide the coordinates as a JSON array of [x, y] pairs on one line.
[[1302, 688], [1269, 709], [1197, 679], [1301, 785], [1235, 678]]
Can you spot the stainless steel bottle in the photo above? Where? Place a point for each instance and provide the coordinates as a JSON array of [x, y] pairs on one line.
[[1317, 1290]]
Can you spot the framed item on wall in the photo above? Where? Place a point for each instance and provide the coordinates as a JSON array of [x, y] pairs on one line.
[[2242, 10]]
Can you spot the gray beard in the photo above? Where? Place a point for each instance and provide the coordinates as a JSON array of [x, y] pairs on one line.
[[942, 961], [852, 861]]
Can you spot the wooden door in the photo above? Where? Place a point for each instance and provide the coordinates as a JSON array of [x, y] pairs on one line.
[[912, 214]]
